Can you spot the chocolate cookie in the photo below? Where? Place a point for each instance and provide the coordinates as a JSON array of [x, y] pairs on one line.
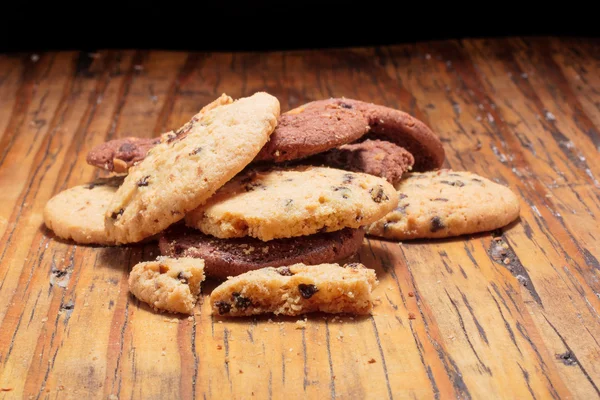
[[231, 257], [375, 157], [119, 155], [402, 129], [313, 128]]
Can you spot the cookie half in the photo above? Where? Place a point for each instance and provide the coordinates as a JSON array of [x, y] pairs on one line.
[[447, 203], [287, 202], [168, 284], [182, 172], [232, 257], [297, 289], [77, 213]]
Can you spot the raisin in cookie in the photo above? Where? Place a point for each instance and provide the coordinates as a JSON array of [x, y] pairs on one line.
[[77, 213], [231, 257], [447, 203], [182, 172], [286, 202], [297, 289], [168, 284]]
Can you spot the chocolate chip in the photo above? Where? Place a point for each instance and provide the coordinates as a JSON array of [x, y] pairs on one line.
[[254, 185], [126, 148], [353, 265], [307, 291], [348, 178], [345, 195], [453, 183], [182, 278], [284, 271], [288, 202], [378, 194], [476, 180], [241, 302], [402, 196], [439, 199], [196, 151], [402, 209], [436, 224], [143, 181], [347, 106], [223, 306], [117, 214]]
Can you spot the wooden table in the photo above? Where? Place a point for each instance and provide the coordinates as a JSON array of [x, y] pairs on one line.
[[507, 314]]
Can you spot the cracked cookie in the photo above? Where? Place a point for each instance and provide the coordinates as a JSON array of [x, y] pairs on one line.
[[297, 289], [168, 284]]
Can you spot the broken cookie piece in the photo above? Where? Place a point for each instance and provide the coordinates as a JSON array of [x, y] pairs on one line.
[[168, 284], [297, 289]]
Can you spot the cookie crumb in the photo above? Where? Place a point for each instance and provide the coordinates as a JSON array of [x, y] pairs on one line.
[[411, 316], [113, 397], [506, 261], [219, 347], [241, 372], [301, 324], [372, 361], [411, 294]]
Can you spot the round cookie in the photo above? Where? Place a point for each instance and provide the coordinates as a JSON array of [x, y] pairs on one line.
[[286, 202], [403, 129], [183, 171], [231, 257], [313, 128], [78, 213], [446, 203], [375, 157]]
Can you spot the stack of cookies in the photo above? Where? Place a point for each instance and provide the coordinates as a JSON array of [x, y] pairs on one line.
[[274, 203]]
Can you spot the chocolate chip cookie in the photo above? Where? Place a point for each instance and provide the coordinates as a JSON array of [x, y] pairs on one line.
[[276, 203], [182, 172], [297, 289], [446, 203], [231, 257]]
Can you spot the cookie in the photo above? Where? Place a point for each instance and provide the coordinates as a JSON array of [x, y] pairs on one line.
[[403, 129], [297, 289], [447, 203], [77, 213], [375, 157], [313, 128], [285, 202], [232, 257], [182, 172], [118, 155], [168, 284]]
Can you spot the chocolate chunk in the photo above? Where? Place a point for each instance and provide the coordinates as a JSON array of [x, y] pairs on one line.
[[307, 291], [117, 214], [453, 183], [254, 185], [353, 265], [196, 151], [346, 191], [143, 181], [348, 178], [378, 194], [182, 278], [402, 209], [284, 271], [436, 224], [240, 301], [402, 196], [223, 306], [346, 106]]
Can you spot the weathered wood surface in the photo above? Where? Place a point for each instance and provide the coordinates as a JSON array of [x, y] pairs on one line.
[[507, 314]]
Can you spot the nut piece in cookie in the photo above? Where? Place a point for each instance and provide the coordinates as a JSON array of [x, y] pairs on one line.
[[183, 171], [297, 289], [168, 284], [446, 203], [289, 202], [375, 157], [231, 257], [77, 213]]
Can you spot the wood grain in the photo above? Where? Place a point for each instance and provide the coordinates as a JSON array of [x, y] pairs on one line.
[[513, 313]]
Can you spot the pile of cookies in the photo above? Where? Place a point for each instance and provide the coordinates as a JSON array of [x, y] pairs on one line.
[[273, 203]]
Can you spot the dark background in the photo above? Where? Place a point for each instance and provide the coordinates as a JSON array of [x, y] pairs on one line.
[[269, 25]]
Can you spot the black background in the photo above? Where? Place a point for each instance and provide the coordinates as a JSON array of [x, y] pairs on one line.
[[268, 25]]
